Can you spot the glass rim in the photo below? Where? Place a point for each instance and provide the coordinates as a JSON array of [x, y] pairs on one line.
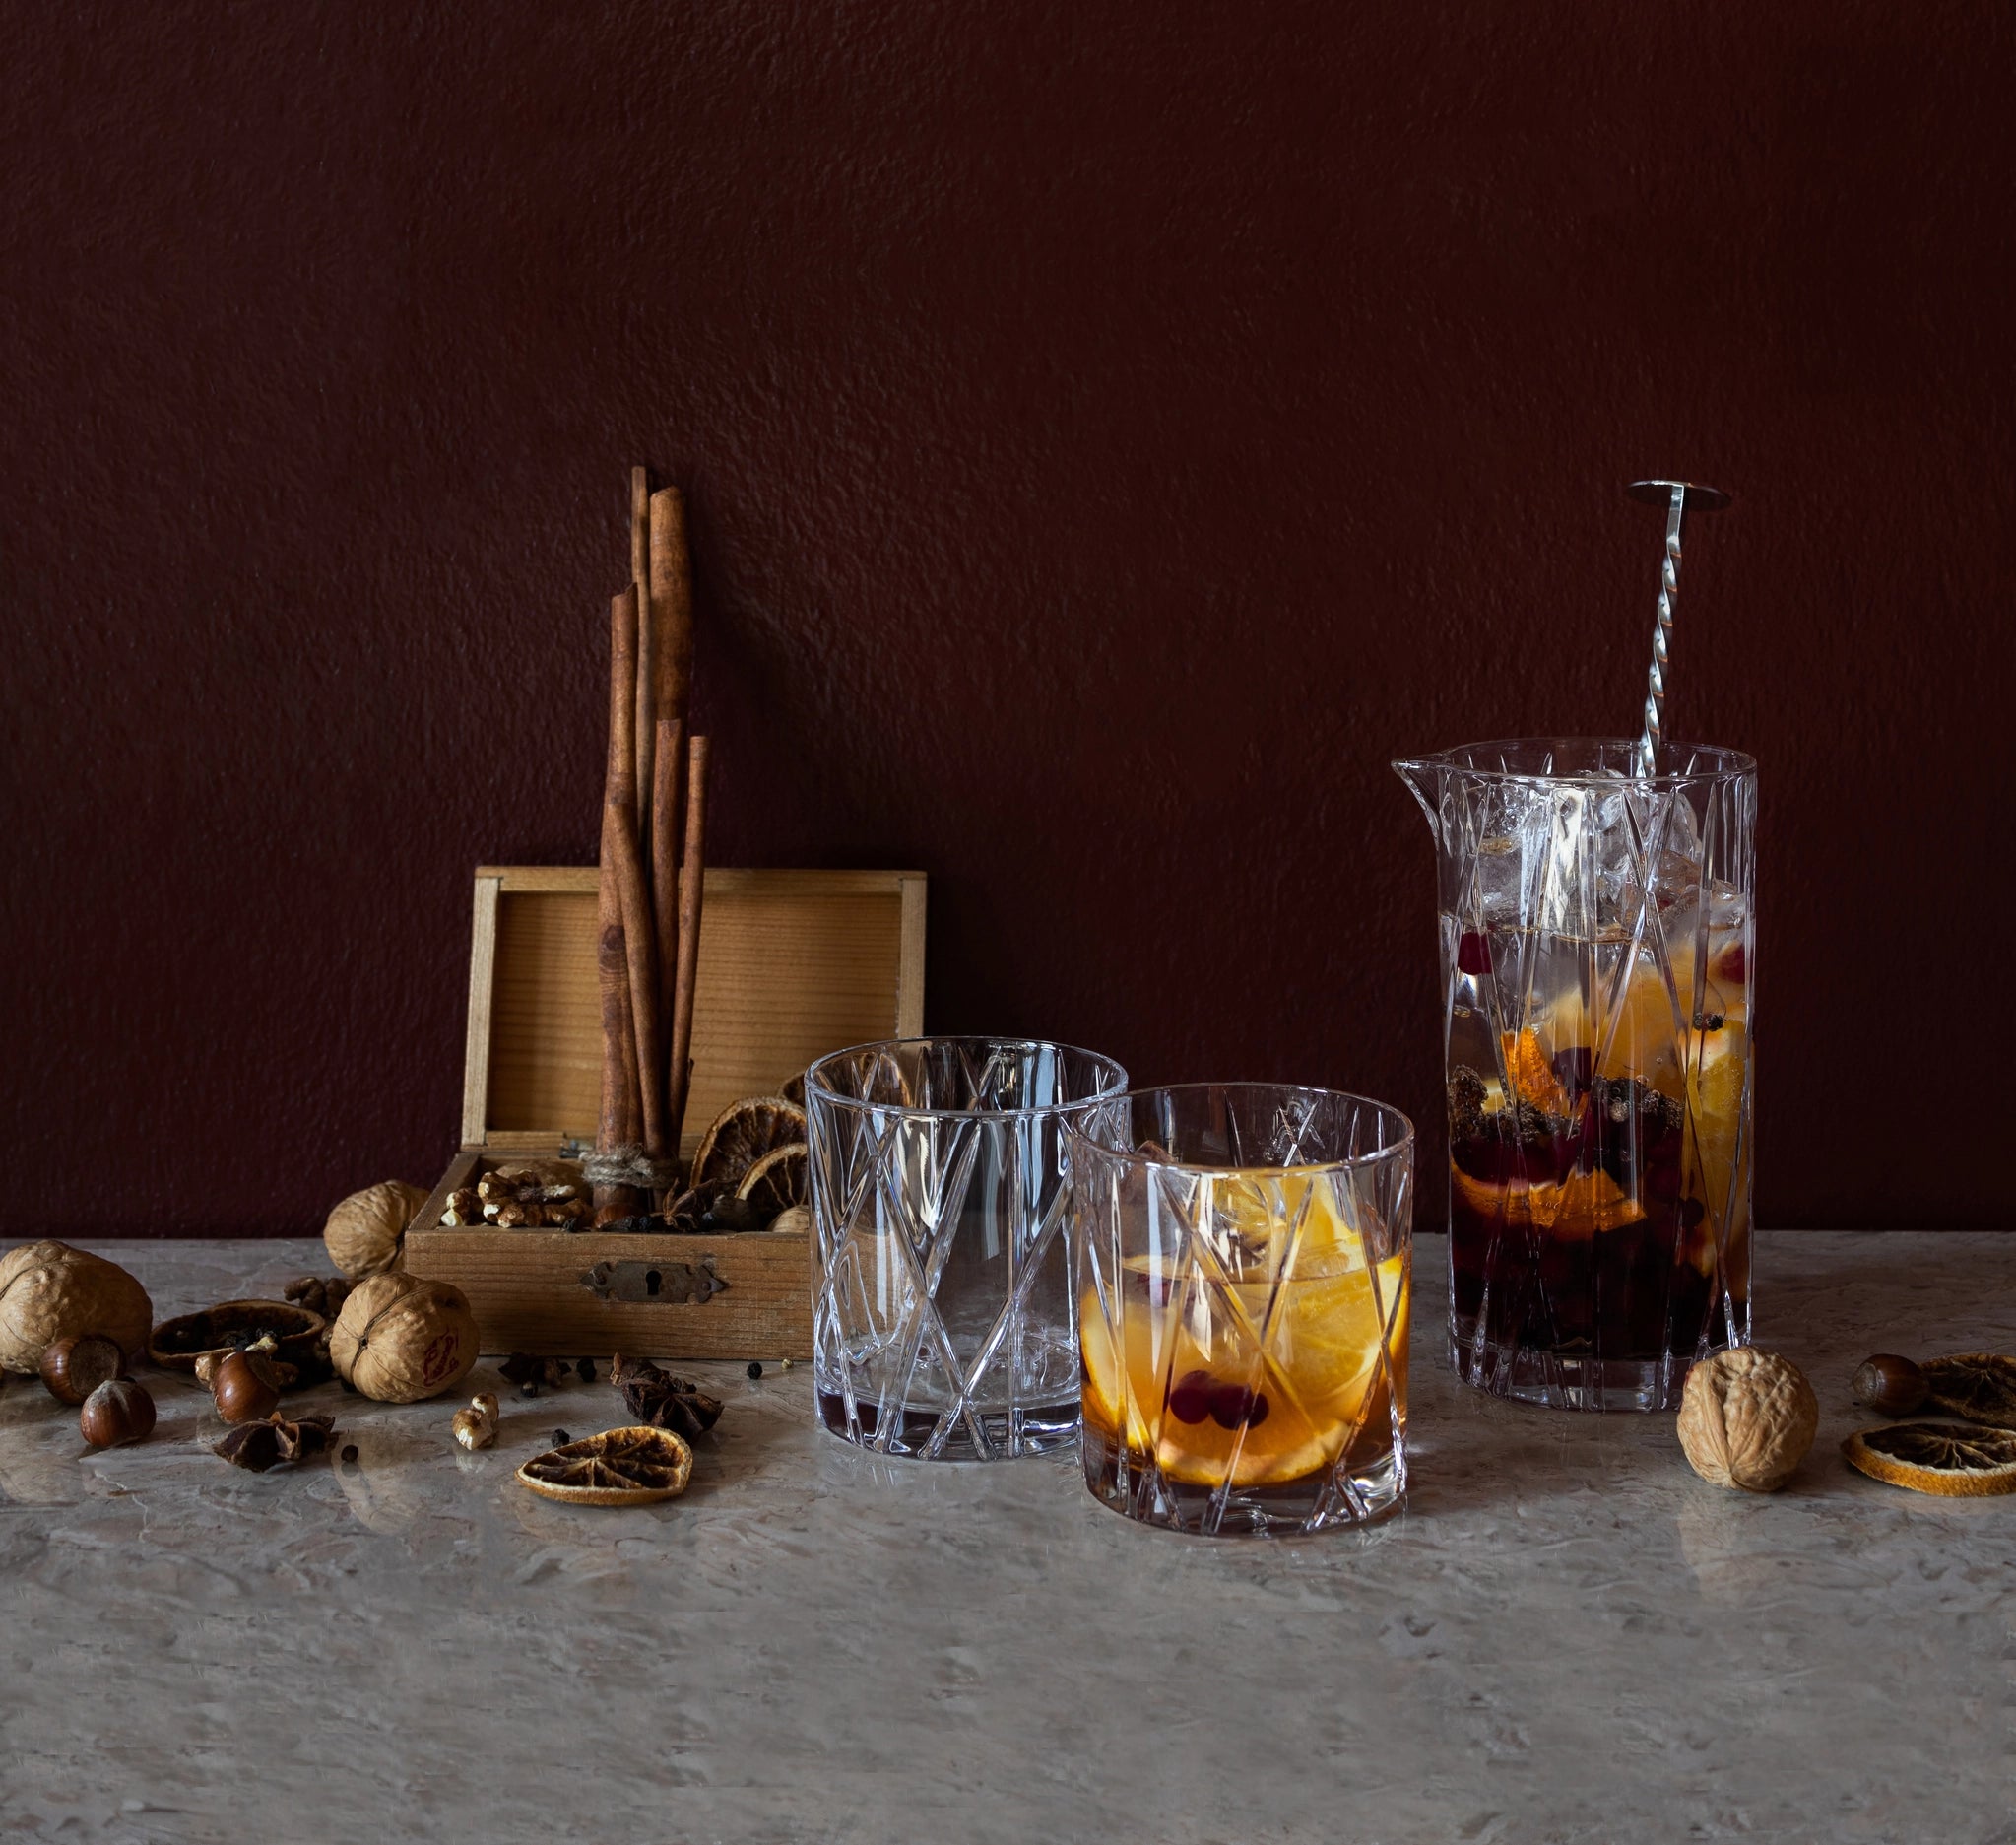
[[1168, 1163], [1111, 1066], [1729, 764]]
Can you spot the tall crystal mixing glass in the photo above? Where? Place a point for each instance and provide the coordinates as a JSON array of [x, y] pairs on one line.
[[1597, 955]]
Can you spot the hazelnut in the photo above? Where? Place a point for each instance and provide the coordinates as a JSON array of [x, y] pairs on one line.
[[115, 1412], [1889, 1384], [245, 1386], [1747, 1418], [74, 1368]]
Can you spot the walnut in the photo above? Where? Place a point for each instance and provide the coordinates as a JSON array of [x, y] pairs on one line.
[[400, 1338], [463, 1207], [517, 1217], [367, 1233], [1747, 1418], [50, 1291]]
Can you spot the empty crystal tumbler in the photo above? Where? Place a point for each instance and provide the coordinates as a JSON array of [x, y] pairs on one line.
[[1243, 1256], [944, 1324], [1599, 955]]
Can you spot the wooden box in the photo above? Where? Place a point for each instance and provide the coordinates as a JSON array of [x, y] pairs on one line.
[[793, 964]]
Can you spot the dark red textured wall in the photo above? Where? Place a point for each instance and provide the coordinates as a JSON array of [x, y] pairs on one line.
[[1112, 433]]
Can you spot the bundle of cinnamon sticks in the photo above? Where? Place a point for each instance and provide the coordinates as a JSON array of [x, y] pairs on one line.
[[653, 819]]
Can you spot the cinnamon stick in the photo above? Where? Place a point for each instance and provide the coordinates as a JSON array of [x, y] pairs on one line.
[[622, 1118], [672, 605], [647, 645], [665, 810], [692, 875]]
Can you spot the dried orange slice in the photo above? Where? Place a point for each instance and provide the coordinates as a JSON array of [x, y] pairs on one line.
[[1532, 1075], [742, 1134], [777, 1181], [1948, 1459], [1980, 1386], [618, 1466]]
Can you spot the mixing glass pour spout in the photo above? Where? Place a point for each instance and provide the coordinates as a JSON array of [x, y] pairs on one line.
[[1423, 776]]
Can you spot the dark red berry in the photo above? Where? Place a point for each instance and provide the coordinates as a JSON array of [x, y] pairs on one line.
[[1233, 1404], [1191, 1400], [1573, 1067], [1692, 1210], [1473, 953], [1731, 964]]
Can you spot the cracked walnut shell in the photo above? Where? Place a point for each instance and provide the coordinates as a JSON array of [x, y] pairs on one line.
[[1747, 1418]]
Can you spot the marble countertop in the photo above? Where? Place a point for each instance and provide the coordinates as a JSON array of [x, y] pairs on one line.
[[1565, 1637]]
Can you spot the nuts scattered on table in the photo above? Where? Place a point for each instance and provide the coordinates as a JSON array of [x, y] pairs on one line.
[[365, 1234], [477, 1427], [399, 1338], [1747, 1418], [50, 1291], [1889, 1384], [245, 1386], [117, 1413], [276, 1443], [76, 1365]]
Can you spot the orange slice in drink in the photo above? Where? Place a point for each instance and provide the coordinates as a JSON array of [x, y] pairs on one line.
[[1253, 1382], [1578, 1206], [1531, 1073]]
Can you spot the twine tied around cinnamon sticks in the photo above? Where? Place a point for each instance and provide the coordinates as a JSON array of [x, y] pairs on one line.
[[652, 825]]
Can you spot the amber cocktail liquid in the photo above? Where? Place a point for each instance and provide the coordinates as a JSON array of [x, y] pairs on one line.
[[1598, 959], [1242, 1257]]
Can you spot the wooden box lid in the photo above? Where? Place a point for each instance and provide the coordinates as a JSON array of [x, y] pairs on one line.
[[793, 964]]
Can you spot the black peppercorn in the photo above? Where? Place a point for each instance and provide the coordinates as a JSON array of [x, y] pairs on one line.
[[561, 1438], [756, 1368], [586, 1369], [349, 1452]]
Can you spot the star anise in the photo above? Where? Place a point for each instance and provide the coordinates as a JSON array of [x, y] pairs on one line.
[[275, 1441], [659, 1399]]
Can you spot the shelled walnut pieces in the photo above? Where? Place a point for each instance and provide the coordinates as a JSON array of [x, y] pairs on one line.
[[518, 1198]]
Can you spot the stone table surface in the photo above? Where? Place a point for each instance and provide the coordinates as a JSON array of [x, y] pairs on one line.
[[1566, 1635]]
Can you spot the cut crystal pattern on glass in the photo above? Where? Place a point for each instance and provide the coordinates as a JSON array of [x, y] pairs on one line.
[[1242, 1261], [1599, 955], [943, 1318]]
